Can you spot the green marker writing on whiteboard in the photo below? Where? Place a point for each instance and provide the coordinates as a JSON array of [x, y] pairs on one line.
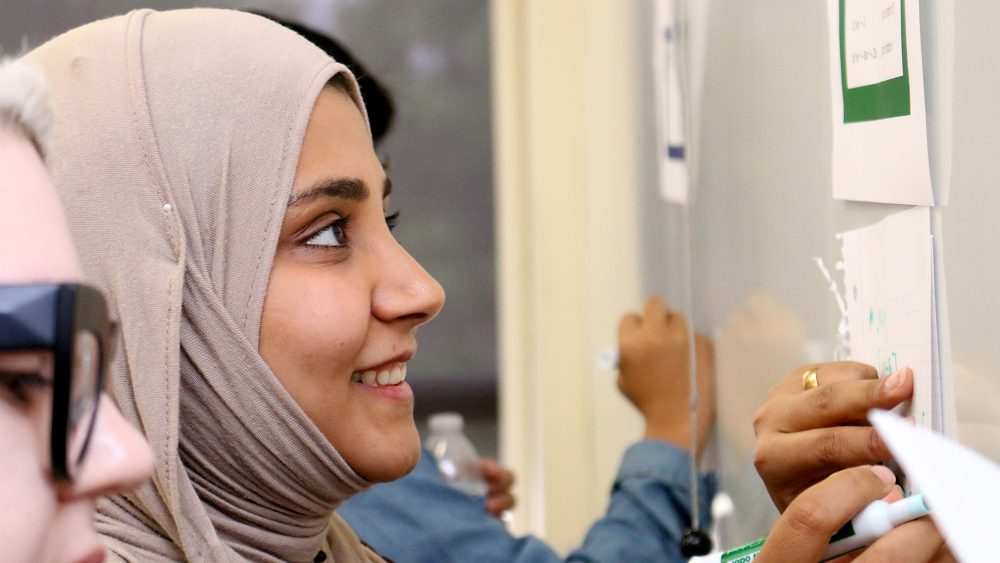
[[874, 521]]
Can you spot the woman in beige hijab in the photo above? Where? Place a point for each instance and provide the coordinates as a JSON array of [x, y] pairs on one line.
[[222, 188]]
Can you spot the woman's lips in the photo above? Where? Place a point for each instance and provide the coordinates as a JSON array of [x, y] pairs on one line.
[[95, 556], [401, 392]]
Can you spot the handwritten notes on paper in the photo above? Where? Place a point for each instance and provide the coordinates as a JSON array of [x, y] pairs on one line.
[[889, 285], [873, 46], [877, 93]]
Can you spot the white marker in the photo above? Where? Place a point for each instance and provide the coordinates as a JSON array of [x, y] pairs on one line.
[[608, 359], [874, 521]]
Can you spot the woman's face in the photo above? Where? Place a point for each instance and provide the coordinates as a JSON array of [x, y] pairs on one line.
[[345, 300], [42, 520]]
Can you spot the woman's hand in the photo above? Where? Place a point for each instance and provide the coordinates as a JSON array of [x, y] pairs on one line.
[[653, 373], [499, 481], [803, 436], [803, 532]]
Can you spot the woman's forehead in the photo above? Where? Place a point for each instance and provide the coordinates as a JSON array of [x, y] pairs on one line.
[[337, 147], [36, 245]]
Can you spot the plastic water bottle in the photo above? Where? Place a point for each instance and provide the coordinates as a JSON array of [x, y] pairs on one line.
[[456, 457]]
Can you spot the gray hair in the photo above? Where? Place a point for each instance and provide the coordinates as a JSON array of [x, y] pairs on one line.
[[24, 104]]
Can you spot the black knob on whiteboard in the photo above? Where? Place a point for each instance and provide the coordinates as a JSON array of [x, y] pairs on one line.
[[695, 542]]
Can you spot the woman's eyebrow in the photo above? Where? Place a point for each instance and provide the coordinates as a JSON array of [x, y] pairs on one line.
[[342, 188]]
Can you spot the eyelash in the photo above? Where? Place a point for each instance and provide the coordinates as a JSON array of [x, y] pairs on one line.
[[20, 384], [392, 220], [342, 225]]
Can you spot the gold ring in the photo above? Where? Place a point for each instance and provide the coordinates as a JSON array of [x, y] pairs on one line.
[[809, 380]]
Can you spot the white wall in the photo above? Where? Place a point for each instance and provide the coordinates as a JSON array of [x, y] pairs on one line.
[[567, 232]]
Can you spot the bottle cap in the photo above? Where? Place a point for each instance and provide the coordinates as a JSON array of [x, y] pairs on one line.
[[445, 422]]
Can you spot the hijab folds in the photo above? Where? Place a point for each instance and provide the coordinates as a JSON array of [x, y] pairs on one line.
[[177, 137]]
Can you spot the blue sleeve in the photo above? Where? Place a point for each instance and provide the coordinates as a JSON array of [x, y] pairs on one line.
[[649, 508], [420, 518]]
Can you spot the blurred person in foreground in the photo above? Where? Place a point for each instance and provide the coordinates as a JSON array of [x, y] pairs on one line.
[[62, 441]]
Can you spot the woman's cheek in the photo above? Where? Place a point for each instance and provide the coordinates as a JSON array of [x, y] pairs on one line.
[[23, 486], [327, 322]]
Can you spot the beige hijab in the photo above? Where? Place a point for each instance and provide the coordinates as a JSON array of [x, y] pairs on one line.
[[177, 136]]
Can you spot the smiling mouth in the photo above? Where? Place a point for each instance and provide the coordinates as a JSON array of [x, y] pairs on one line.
[[381, 377]]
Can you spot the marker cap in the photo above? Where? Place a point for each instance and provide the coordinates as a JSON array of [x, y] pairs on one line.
[[909, 508]]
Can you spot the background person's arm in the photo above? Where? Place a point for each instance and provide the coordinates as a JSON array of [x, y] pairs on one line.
[[421, 518]]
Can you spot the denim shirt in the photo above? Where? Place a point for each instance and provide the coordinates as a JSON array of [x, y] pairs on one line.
[[420, 518]]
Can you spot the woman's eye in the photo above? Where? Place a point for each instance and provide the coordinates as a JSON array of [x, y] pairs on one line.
[[19, 385], [333, 235], [392, 220]]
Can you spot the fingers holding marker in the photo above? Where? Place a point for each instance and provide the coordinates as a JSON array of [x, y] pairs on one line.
[[654, 373], [629, 323], [805, 435], [830, 449], [813, 454], [803, 532], [656, 310], [656, 324], [915, 542]]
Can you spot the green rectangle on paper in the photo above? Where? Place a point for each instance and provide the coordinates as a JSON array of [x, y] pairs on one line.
[[890, 98]]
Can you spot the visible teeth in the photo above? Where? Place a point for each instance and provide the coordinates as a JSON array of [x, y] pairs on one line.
[[394, 377], [372, 378], [368, 377]]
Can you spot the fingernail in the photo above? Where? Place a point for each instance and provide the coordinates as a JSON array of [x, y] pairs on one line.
[[883, 473], [894, 380], [894, 494]]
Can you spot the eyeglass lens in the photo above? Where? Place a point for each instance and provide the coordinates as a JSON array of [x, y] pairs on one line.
[[84, 396]]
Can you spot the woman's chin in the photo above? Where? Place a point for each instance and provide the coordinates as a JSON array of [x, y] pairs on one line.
[[385, 474], [383, 464]]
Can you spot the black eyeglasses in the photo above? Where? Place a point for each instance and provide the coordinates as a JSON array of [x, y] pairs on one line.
[[71, 321]]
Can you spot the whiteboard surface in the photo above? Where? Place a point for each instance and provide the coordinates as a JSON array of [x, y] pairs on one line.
[[762, 209]]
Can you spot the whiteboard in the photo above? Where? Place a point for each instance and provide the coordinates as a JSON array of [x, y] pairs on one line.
[[763, 208]]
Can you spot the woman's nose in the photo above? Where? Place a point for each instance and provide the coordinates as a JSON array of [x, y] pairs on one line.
[[118, 459], [406, 292]]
